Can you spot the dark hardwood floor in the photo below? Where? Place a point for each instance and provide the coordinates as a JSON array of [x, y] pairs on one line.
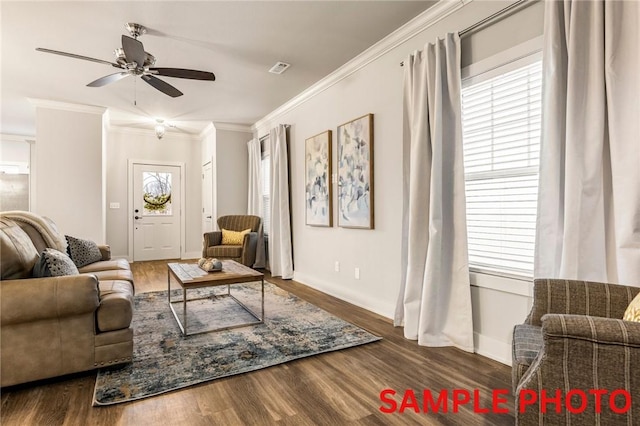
[[336, 388]]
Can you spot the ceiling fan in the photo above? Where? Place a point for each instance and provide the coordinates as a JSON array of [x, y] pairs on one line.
[[133, 60]]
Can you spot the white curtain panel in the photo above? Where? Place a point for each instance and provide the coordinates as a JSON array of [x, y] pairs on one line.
[[280, 250], [434, 303], [589, 200], [254, 201]]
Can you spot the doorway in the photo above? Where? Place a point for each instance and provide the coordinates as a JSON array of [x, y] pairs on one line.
[[207, 198], [156, 219]]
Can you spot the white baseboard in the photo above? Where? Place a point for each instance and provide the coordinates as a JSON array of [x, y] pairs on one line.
[[483, 345], [125, 257], [492, 348], [385, 309]]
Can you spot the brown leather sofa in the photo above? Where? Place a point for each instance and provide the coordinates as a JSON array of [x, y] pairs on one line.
[[59, 325]]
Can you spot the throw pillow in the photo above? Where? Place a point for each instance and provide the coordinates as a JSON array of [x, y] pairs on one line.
[[633, 310], [82, 252], [54, 263], [233, 238]]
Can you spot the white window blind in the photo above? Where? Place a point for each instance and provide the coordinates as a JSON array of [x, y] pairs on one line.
[[501, 139], [266, 193]]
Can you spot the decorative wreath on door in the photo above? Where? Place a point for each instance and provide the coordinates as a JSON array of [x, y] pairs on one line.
[[156, 202]]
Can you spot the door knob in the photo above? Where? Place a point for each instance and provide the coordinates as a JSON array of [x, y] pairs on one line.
[[208, 217], [137, 217]]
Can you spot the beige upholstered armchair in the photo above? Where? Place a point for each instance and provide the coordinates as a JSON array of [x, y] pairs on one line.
[[244, 253], [575, 341]]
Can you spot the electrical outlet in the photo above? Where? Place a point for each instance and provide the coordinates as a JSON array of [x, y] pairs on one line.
[[357, 273], [336, 267]]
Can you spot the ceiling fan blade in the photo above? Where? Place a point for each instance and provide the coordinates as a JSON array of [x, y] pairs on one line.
[[73, 55], [183, 73], [103, 81], [165, 88], [133, 50]]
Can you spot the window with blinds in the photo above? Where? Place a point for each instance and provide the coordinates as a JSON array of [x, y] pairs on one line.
[[266, 192], [501, 140]]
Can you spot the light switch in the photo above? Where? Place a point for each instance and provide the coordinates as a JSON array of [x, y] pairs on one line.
[[357, 273], [114, 205]]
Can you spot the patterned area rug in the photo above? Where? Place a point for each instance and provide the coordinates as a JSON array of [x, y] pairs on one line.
[[164, 360]]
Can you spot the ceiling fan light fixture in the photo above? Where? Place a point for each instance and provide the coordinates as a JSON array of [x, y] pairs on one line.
[[133, 60], [160, 128], [136, 30]]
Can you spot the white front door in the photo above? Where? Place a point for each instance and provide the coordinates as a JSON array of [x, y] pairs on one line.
[[156, 212], [207, 198]]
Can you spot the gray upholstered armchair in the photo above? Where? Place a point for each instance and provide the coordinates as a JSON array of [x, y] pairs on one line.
[[245, 253], [574, 339]]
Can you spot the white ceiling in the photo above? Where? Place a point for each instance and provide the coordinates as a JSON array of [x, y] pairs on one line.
[[237, 40]]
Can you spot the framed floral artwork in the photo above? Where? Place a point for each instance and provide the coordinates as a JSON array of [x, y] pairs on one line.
[[318, 193], [355, 173]]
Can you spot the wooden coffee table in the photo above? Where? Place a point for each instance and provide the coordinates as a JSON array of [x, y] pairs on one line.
[[190, 276]]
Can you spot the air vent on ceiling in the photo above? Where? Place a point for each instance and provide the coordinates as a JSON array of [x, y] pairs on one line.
[[279, 68]]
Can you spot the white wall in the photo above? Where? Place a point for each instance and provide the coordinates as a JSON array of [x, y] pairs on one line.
[[226, 149], [15, 160], [377, 88], [231, 172], [124, 144], [15, 151], [69, 169]]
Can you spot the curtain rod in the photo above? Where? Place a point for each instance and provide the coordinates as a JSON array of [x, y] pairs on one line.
[[502, 13], [261, 138]]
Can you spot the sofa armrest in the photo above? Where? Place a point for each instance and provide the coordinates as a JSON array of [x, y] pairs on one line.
[[249, 245], [35, 299], [593, 329], [210, 239], [555, 296], [105, 250], [581, 353]]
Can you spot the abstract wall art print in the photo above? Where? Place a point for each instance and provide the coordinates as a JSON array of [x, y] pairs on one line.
[[355, 173], [318, 194]]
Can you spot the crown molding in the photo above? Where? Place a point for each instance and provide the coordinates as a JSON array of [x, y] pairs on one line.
[[66, 106], [210, 129], [437, 12], [6, 137], [233, 127], [151, 132]]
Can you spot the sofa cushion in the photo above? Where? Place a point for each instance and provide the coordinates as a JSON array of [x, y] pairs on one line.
[[18, 252], [114, 274], [82, 252], [224, 252], [527, 342], [106, 265], [116, 305], [54, 263], [233, 238]]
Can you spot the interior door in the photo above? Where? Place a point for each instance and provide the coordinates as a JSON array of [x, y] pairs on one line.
[[156, 212], [207, 198]]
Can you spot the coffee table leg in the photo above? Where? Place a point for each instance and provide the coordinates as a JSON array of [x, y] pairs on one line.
[[184, 309], [262, 317]]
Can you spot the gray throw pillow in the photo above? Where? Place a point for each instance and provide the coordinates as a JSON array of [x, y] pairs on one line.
[[82, 252], [54, 263]]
